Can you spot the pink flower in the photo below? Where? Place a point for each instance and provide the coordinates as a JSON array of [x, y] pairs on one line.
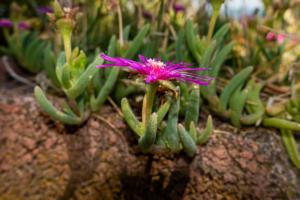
[[279, 38], [271, 36], [155, 70]]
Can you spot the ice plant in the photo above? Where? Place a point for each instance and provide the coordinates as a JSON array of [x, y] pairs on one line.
[[233, 102], [155, 70], [76, 77], [73, 72], [173, 137], [26, 47], [285, 115]]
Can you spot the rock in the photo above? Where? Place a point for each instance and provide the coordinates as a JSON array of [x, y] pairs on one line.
[[220, 153], [252, 166], [229, 178], [29, 143], [91, 162], [247, 155]]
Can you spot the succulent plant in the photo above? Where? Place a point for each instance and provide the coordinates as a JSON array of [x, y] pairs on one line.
[[154, 133]]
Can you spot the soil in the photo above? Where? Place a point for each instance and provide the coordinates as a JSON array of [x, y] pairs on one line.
[[44, 160]]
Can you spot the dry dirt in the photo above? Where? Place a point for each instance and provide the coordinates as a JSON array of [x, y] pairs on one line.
[[44, 160]]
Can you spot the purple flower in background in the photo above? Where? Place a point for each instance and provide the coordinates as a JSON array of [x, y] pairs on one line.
[[280, 38], [44, 9], [155, 70], [6, 23], [147, 15], [23, 26], [178, 7], [271, 36]]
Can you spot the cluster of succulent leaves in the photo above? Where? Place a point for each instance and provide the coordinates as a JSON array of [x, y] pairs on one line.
[[240, 101], [160, 130], [171, 123], [26, 45], [86, 88], [31, 52]]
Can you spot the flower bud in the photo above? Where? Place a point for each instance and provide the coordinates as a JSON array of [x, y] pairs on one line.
[[216, 4]]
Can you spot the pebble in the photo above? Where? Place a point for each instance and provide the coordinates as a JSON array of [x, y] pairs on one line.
[[95, 124], [247, 155], [29, 143], [220, 153], [252, 166]]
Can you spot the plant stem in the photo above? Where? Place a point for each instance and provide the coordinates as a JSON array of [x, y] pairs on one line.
[[160, 15], [65, 27], [67, 45], [120, 20], [212, 24], [148, 102], [296, 82]]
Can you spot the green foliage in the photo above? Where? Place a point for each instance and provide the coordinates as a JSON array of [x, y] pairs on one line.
[[167, 134], [31, 52], [291, 146], [74, 80], [48, 107]]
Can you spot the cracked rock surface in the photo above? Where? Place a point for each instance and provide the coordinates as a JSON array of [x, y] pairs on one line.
[[42, 159]]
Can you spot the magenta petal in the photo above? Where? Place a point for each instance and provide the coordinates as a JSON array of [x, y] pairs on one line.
[[108, 58], [155, 70], [142, 58]]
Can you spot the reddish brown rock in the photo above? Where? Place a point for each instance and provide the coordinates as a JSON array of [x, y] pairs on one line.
[[247, 155], [94, 162], [28, 143]]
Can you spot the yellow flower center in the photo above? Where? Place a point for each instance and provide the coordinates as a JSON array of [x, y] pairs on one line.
[[155, 63]]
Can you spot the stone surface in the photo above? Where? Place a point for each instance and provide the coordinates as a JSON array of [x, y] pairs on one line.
[[42, 159]]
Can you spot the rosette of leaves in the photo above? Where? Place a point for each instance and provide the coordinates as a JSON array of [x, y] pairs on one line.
[[238, 100], [163, 132], [86, 87], [285, 116], [31, 52], [74, 78]]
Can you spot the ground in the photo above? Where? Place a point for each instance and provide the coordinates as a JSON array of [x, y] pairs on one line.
[[42, 159]]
